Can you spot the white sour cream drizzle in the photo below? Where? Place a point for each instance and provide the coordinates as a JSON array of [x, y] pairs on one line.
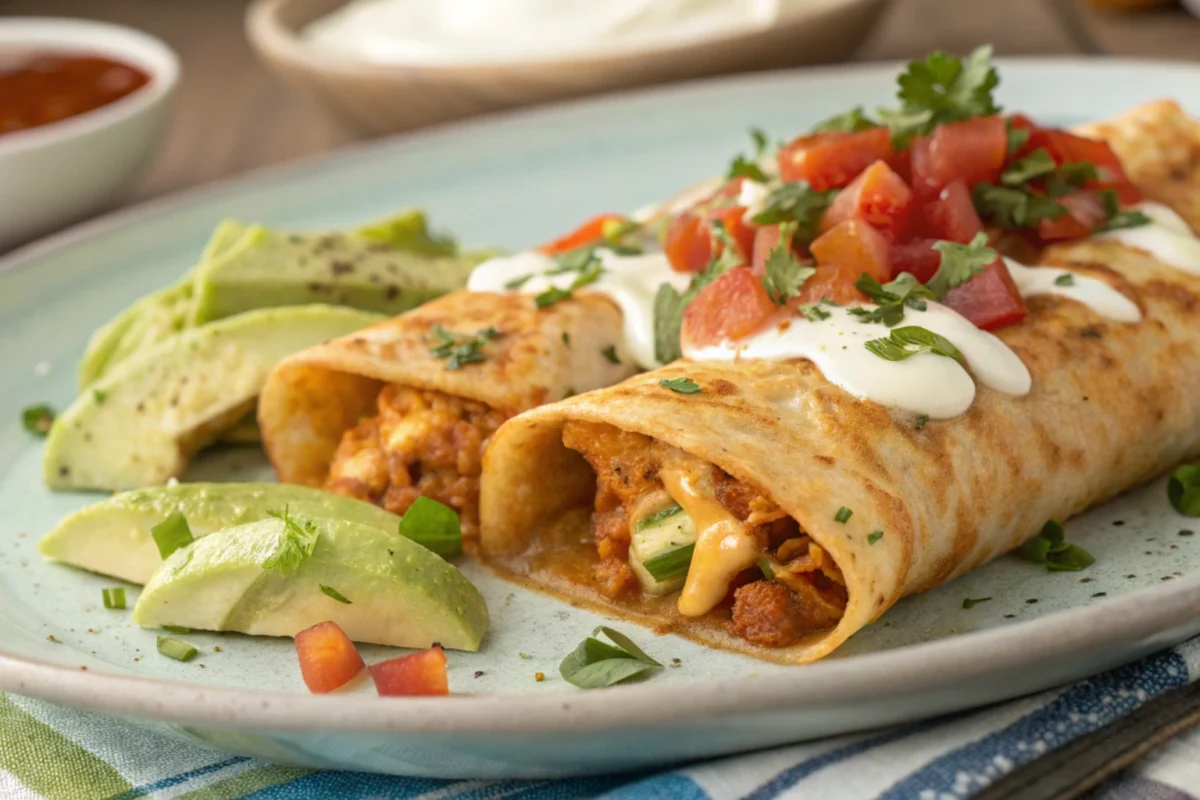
[[1168, 238], [922, 384], [1092, 292], [629, 281]]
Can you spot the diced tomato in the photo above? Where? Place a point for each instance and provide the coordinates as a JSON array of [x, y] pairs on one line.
[[856, 246], [589, 232], [733, 305], [422, 673], [952, 215], [970, 151], [921, 169], [731, 188], [1068, 148], [687, 244], [1085, 213], [766, 239], [834, 283], [734, 220], [878, 196], [832, 160], [328, 659], [990, 300], [916, 257]]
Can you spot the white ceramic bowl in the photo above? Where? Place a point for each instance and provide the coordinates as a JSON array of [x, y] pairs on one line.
[[59, 173]]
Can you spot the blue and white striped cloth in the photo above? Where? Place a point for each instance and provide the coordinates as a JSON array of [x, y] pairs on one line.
[[52, 753]]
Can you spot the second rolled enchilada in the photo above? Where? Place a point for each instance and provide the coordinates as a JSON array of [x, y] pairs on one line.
[[815, 492]]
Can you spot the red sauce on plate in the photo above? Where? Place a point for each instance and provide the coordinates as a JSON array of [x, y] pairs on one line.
[[43, 87]]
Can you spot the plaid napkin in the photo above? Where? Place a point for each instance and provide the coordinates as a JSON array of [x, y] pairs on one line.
[[51, 752]]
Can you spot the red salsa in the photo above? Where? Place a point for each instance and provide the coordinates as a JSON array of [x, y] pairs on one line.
[[40, 88]]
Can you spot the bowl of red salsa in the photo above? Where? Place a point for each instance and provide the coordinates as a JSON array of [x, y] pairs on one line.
[[83, 107]]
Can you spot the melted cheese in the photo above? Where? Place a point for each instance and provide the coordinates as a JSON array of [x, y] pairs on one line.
[[724, 545]]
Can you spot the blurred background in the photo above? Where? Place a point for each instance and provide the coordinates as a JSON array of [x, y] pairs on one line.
[[236, 109]]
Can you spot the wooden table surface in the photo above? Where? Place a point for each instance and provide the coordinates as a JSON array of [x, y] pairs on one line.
[[232, 116]]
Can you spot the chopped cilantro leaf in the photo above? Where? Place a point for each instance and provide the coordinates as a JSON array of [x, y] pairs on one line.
[[971, 602], [797, 203], [681, 385], [610, 353], [1013, 208], [940, 89], [891, 298], [960, 262], [550, 297], [297, 543], [1034, 165], [458, 348], [1051, 548], [921, 422], [785, 275], [852, 121], [518, 282], [912, 340], [814, 313], [1066, 279], [1017, 137], [874, 537], [742, 167], [1125, 219]]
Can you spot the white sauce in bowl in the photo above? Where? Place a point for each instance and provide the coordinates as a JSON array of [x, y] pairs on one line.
[[440, 32], [629, 281], [928, 384]]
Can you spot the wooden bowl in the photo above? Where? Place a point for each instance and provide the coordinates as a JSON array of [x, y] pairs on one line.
[[382, 98]]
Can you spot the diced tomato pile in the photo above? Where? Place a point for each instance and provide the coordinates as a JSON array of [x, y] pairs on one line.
[[888, 209], [329, 660]]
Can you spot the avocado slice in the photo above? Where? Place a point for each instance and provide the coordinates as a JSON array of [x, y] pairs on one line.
[[151, 319], [273, 268], [141, 423], [400, 593], [112, 537]]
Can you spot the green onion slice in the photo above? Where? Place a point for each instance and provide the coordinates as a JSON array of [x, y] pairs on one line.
[[329, 591], [171, 534], [114, 598], [670, 564], [656, 517], [173, 648]]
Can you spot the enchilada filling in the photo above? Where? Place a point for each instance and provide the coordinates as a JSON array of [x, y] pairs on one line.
[[419, 444], [667, 522]]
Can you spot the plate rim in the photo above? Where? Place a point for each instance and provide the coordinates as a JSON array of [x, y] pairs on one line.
[[1111, 622]]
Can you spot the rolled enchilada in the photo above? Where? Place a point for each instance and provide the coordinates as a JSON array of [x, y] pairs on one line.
[[777, 504]]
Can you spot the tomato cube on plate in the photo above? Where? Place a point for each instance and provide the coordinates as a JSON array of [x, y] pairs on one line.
[[878, 196], [855, 246], [422, 673], [732, 306], [690, 245], [832, 160], [1085, 212], [990, 300], [970, 151], [952, 215], [328, 659], [834, 283], [590, 232], [916, 257]]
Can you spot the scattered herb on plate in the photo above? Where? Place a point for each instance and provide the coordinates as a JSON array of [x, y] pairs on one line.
[[595, 664], [971, 602], [38, 419], [1051, 548]]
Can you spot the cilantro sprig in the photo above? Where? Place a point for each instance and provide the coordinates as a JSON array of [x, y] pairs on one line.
[[298, 542], [784, 274], [1051, 548], [960, 263], [797, 204], [459, 348], [891, 298], [941, 89], [911, 340]]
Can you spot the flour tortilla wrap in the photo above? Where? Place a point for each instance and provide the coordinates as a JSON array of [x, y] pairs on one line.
[[540, 355], [1112, 404]]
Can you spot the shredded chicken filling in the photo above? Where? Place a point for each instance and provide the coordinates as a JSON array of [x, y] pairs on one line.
[[793, 589], [419, 444]]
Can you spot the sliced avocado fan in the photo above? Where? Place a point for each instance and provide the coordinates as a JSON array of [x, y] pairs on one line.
[[113, 537], [141, 423], [256, 579]]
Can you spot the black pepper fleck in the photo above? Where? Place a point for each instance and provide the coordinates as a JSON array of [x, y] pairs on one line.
[[1031, 600], [1118, 522], [1100, 594], [1010, 616], [1187, 532], [479, 673]]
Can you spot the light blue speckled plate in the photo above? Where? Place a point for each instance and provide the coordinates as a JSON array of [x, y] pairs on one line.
[[513, 181]]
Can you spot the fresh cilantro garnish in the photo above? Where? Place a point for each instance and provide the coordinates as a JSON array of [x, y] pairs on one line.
[[891, 298], [797, 203], [458, 348], [1125, 219], [727, 254], [1013, 208], [1183, 490], [814, 313], [329, 591], [297, 543], [912, 340], [518, 282], [742, 167], [1066, 279], [760, 141], [852, 121], [577, 260], [785, 275], [610, 353], [960, 263], [1051, 548], [1070, 178], [595, 664], [971, 602], [921, 422], [681, 385], [1034, 165], [38, 419], [874, 537], [1017, 137], [941, 89], [550, 297]]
